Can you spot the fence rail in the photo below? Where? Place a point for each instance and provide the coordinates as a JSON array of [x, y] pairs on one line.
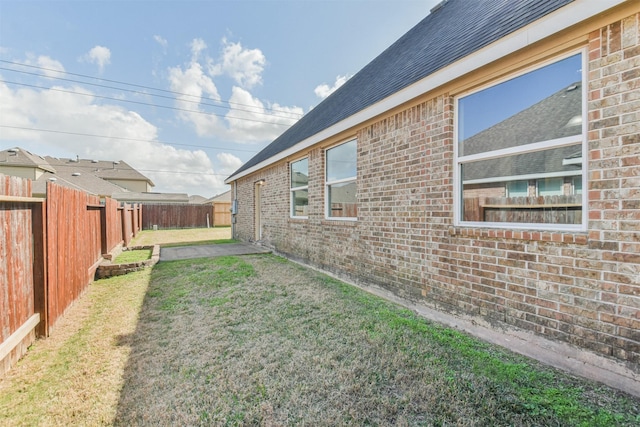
[[49, 251]]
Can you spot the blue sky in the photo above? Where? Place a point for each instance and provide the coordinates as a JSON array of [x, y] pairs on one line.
[[185, 91]]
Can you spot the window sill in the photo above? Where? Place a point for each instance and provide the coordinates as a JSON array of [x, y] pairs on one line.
[[298, 219], [349, 222], [557, 236]]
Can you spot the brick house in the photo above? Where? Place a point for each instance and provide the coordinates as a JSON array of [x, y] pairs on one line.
[[446, 176]]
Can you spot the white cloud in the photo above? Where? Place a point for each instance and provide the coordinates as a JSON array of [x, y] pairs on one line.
[[197, 46], [161, 41], [228, 163], [251, 121], [49, 66], [323, 90], [171, 169], [99, 55], [247, 119], [194, 83], [245, 66]]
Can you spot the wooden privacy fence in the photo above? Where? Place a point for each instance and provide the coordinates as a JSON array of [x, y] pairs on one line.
[[20, 272], [533, 210], [166, 215], [49, 251], [222, 214]]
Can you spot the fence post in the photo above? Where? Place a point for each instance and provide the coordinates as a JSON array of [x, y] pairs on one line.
[[104, 247], [39, 225]]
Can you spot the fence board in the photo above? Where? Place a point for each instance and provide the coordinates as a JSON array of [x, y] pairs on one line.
[[16, 268], [49, 251], [73, 246], [176, 216], [221, 214]]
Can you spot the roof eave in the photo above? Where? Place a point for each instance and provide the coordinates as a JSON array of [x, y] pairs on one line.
[[565, 17]]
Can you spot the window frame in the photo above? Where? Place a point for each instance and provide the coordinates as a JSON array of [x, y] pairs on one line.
[[328, 184], [581, 138], [299, 188]]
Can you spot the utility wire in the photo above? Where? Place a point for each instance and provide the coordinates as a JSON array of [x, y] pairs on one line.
[[115, 81], [289, 116], [145, 103], [185, 172], [124, 138]]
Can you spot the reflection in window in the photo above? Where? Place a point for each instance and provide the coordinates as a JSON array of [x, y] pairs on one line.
[[520, 146], [517, 188], [341, 171], [551, 187], [300, 188], [577, 185]]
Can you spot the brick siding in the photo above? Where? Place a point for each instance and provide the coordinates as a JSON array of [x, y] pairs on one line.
[[579, 288]]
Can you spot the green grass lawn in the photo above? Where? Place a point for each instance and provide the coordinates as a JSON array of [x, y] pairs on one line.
[[133, 256], [258, 340]]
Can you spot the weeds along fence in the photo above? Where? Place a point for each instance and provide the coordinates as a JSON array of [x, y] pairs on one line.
[[166, 215], [49, 251]]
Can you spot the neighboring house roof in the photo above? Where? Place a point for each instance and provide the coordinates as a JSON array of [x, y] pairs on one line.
[[18, 157], [92, 176], [552, 118], [108, 170], [455, 30], [72, 178], [197, 199], [222, 197], [135, 197]]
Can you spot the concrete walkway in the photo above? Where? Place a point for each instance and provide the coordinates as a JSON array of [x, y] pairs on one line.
[[208, 251]]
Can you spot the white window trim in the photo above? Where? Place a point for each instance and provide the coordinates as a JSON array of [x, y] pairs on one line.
[[337, 181], [292, 189], [557, 143]]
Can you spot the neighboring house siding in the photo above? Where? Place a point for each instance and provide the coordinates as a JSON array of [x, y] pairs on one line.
[[131, 185], [582, 288], [22, 172]]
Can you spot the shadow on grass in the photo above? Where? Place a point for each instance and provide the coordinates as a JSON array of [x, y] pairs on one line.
[[256, 340]]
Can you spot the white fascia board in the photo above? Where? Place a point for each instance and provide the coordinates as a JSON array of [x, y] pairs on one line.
[[563, 18]]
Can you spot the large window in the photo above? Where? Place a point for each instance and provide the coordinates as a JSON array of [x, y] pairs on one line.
[[300, 188], [341, 171], [519, 150]]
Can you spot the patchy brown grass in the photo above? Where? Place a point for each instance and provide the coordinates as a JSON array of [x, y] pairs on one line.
[[260, 341], [257, 340], [189, 235], [74, 377]]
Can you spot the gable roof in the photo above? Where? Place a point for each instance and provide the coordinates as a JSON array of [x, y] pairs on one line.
[[92, 176], [453, 31], [108, 170], [222, 197], [136, 197], [18, 157], [78, 180]]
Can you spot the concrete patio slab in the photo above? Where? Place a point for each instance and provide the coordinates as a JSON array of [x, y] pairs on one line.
[[207, 251]]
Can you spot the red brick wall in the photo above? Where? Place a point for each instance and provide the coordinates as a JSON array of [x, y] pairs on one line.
[[580, 288]]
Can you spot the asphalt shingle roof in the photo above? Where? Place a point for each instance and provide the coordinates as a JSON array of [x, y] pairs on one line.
[[104, 169], [450, 33], [23, 158], [551, 118]]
